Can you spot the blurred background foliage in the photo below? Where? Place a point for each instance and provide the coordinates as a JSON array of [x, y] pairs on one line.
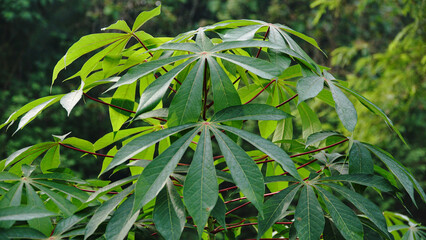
[[378, 46]]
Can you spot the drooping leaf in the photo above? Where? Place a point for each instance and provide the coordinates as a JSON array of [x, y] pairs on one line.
[[364, 205], [266, 146], [30, 115], [155, 175], [145, 16], [363, 179], [360, 160], [141, 143], [187, 103], [23, 213], [104, 210], [309, 218], [169, 212], [344, 107], [249, 112], [224, 93], [345, 219], [275, 208], [244, 171], [200, 190], [401, 173], [373, 108], [71, 99], [309, 87], [121, 221]]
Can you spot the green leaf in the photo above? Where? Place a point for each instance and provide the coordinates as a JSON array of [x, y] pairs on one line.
[[203, 41], [257, 66], [241, 33], [69, 100], [23, 213], [155, 175], [156, 90], [69, 190], [27, 107], [50, 159], [309, 218], [145, 16], [62, 203], [31, 152], [119, 25], [244, 171], [301, 35], [123, 97], [309, 87], [141, 143], [401, 173], [275, 208], [66, 224], [360, 160], [121, 221], [200, 190], [187, 103], [364, 205], [219, 212], [345, 219], [266, 146], [310, 121], [23, 233], [101, 191], [12, 198], [84, 45], [243, 44], [112, 137], [169, 212], [250, 112], [44, 225], [319, 136], [104, 210], [162, 112], [224, 93], [344, 108], [60, 176], [30, 115], [186, 47], [6, 176], [373, 108], [144, 69], [363, 179]]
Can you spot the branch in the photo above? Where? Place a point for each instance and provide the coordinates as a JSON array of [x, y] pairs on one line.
[[261, 91]]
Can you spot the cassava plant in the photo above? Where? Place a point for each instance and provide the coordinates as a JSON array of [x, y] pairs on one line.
[[216, 138]]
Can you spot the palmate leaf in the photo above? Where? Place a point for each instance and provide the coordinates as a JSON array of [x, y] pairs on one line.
[[275, 208], [319, 136], [345, 219], [309, 87], [145, 16], [362, 179], [121, 221], [23, 213], [244, 171], [360, 160], [310, 121], [68, 223], [219, 212], [249, 112], [200, 191], [309, 218], [21, 233], [169, 212], [344, 107], [62, 203], [155, 175]]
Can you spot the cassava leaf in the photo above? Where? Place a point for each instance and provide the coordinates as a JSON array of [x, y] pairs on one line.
[[344, 108], [360, 160], [249, 112], [309, 87], [145, 16], [23, 213], [309, 218]]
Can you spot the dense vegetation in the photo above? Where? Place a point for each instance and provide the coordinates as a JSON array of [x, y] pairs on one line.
[[194, 88]]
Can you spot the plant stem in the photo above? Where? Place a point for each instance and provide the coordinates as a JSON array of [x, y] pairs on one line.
[[114, 106], [286, 101], [261, 91]]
